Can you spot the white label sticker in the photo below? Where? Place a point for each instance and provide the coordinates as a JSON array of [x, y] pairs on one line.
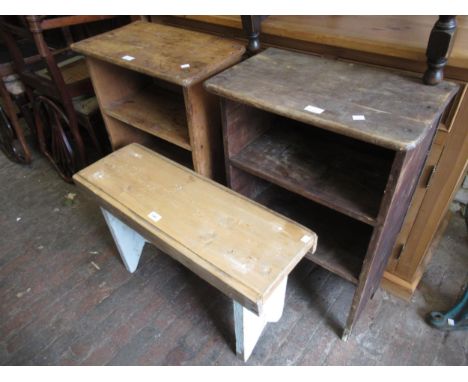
[[185, 66], [359, 118], [128, 58], [314, 109], [154, 216], [451, 322], [305, 239]]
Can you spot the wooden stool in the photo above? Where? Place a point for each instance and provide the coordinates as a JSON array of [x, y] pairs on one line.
[[238, 246]]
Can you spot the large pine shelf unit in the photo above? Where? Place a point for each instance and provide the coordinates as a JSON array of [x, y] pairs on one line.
[[335, 146], [148, 82]]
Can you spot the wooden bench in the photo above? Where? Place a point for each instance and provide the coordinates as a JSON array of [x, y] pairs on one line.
[[238, 246]]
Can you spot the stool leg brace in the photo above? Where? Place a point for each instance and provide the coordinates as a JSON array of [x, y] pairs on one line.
[[248, 326]]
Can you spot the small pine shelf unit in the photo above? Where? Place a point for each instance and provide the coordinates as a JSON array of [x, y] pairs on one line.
[[148, 81], [335, 146]]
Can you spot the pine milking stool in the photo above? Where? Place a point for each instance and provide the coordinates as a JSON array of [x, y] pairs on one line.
[[238, 246]]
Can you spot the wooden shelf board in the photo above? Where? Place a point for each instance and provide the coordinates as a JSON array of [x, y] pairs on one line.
[[314, 164], [342, 242], [156, 111]]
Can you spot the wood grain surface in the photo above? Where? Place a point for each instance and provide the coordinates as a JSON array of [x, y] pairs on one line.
[[239, 246], [156, 111], [160, 51], [398, 110], [341, 173]]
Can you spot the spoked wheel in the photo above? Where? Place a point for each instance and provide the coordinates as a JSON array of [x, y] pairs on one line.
[[54, 137], [9, 143]]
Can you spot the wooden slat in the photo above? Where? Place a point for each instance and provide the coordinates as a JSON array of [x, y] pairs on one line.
[[66, 21], [309, 162], [156, 111], [160, 50], [398, 110], [73, 70], [237, 245]]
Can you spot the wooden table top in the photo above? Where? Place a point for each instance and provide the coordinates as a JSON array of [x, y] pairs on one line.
[[235, 244], [396, 36], [373, 105], [173, 54]]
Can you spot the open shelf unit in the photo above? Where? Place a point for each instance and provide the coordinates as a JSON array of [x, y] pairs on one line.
[[150, 89], [293, 143], [156, 111]]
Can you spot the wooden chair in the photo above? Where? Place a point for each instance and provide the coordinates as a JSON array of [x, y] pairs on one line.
[[12, 138], [58, 87]]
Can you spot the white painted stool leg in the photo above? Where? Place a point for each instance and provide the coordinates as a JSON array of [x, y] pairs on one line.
[[129, 242], [248, 326]]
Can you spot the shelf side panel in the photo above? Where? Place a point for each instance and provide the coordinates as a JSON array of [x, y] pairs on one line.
[[402, 182]]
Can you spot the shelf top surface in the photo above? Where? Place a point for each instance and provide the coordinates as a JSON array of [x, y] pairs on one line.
[[240, 246], [173, 54], [373, 105]]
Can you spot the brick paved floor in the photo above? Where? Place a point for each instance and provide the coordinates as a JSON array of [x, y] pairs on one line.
[[66, 297]]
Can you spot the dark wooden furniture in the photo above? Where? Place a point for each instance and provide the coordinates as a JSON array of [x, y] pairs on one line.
[[336, 146], [252, 28], [58, 87], [12, 136], [148, 80], [396, 43], [438, 49]]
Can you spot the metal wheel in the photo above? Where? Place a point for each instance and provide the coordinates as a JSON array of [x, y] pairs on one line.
[[54, 138], [9, 143]]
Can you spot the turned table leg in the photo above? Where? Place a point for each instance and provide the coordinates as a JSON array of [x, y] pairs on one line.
[[438, 49], [249, 326], [251, 26], [129, 242]]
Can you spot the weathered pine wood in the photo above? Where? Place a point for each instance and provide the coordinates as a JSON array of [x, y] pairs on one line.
[[311, 163], [396, 43], [241, 125], [342, 241], [149, 77], [398, 110], [401, 184], [203, 116], [240, 247], [290, 154], [156, 111], [160, 51]]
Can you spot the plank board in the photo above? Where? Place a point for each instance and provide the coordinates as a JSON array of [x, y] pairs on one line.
[[160, 51], [239, 246], [342, 242], [322, 167], [156, 111], [398, 110]]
